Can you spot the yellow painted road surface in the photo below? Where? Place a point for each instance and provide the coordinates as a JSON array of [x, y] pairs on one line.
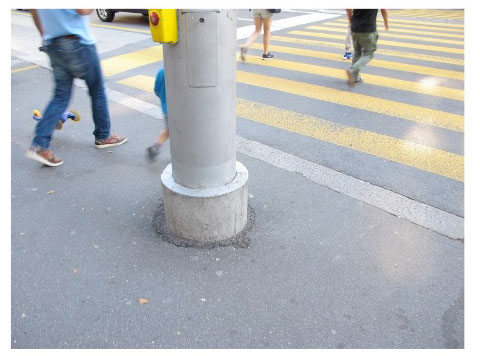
[[443, 47], [434, 72], [429, 86], [383, 42], [359, 101], [126, 62], [432, 82], [419, 30], [387, 52], [415, 155], [25, 68], [388, 33], [415, 22], [429, 13]]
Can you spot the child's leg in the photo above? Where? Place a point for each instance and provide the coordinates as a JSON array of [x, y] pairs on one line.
[[160, 91], [162, 137]]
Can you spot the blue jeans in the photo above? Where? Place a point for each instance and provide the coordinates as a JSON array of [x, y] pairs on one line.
[[71, 59]]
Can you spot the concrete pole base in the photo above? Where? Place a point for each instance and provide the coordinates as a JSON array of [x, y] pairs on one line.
[[206, 215]]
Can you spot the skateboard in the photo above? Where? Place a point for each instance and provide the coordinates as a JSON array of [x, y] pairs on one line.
[[73, 115]]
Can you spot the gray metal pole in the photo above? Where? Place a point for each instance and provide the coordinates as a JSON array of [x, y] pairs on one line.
[[200, 81], [205, 190]]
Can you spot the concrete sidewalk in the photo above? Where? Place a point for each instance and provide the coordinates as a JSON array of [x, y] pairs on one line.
[[322, 270]]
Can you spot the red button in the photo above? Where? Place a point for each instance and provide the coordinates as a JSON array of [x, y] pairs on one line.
[[154, 18]]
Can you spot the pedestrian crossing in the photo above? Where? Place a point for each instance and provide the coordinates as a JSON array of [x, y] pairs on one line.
[[383, 42], [429, 13], [417, 30], [419, 64], [125, 62], [395, 53], [404, 22], [417, 35], [387, 64], [416, 87]]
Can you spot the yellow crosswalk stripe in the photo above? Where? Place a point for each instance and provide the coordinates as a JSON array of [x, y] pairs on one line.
[[392, 35], [121, 28], [387, 52], [422, 87], [383, 42], [428, 13], [359, 101], [122, 63], [343, 27], [402, 21], [25, 68], [125, 62], [21, 13], [408, 153], [451, 74], [396, 27]]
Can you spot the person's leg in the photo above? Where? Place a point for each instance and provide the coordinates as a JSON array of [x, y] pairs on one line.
[[39, 150], [348, 44], [253, 37], [258, 28], [356, 47], [348, 40], [163, 136], [57, 106], [154, 150], [160, 92], [267, 22], [368, 44], [96, 89], [353, 77]]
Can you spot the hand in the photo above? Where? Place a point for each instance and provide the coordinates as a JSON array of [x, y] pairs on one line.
[[386, 26]]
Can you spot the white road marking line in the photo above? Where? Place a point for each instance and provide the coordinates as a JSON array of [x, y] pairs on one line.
[[282, 24], [129, 101], [418, 213], [408, 209], [424, 215]]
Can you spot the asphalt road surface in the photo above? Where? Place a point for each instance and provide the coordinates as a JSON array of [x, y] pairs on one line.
[[357, 193]]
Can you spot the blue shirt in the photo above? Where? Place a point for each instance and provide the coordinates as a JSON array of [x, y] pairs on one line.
[[159, 89], [62, 22]]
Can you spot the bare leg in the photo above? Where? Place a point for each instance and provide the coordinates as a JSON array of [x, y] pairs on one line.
[[251, 39], [256, 33], [266, 33], [162, 137]]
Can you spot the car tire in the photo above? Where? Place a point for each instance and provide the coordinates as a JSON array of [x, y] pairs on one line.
[[105, 15]]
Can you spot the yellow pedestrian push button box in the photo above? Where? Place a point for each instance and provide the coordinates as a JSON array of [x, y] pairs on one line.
[[163, 25]]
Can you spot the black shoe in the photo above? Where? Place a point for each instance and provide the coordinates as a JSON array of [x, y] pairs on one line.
[[267, 56], [153, 151], [243, 53]]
